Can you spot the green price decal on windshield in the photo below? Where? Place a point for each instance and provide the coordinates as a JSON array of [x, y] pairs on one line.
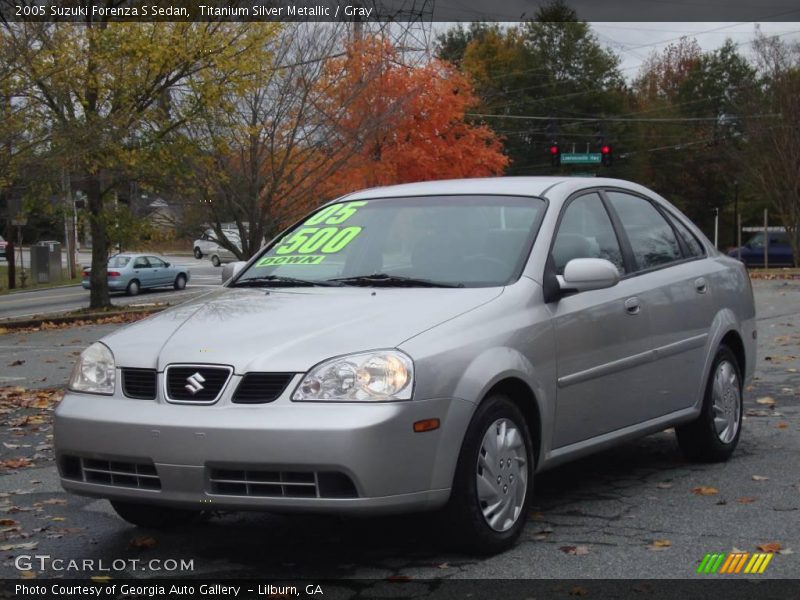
[[323, 234]]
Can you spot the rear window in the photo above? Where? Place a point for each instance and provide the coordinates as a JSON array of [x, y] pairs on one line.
[[118, 261]]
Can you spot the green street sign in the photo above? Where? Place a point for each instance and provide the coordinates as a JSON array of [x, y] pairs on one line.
[[575, 158]]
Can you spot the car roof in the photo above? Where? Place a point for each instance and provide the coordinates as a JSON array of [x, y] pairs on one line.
[[516, 186]]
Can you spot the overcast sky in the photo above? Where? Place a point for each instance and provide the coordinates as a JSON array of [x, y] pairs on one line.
[[633, 42]]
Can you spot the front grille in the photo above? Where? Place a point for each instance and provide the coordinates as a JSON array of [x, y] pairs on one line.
[[141, 475], [280, 484], [139, 383], [258, 388], [207, 387]]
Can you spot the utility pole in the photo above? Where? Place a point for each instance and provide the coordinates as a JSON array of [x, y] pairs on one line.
[[69, 242]]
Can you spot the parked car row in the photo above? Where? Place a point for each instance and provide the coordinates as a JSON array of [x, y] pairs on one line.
[[131, 273]]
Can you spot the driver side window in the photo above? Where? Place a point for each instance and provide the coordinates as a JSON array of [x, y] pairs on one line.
[[585, 231]]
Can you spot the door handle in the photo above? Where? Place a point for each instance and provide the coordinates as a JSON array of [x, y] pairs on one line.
[[700, 285], [633, 306]]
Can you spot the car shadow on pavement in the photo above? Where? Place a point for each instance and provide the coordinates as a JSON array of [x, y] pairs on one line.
[[253, 544]]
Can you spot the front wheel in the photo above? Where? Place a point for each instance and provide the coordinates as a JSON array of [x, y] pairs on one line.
[[713, 436], [152, 516], [493, 483], [180, 282]]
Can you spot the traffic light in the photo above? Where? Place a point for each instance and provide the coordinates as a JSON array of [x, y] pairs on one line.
[[555, 155], [606, 155]]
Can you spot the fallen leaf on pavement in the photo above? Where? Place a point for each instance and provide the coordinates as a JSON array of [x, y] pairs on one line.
[[760, 478], [769, 547], [664, 485], [444, 566], [705, 491], [578, 591], [144, 542], [28, 574], [16, 363], [746, 500], [15, 463], [54, 501], [659, 545], [100, 578], [575, 550], [7, 522], [766, 401], [782, 425], [27, 546]]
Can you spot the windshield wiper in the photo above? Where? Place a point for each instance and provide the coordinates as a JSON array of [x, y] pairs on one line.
[[384, 279], [282, 279]]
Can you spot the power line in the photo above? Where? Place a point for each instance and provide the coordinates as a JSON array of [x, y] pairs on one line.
[[622, 119]]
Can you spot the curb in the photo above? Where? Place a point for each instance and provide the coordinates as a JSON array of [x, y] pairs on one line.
[[36, 321]]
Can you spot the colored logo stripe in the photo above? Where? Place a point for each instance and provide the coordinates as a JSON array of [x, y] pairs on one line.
[[734, 563]]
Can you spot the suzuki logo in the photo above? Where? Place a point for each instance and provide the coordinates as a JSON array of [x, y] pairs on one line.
[[195, 383]]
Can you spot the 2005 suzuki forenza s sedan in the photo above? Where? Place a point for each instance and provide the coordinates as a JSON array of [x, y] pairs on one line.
[[419, 347]]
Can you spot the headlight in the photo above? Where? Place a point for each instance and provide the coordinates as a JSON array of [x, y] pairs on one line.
[[94, 371], [369, 376]]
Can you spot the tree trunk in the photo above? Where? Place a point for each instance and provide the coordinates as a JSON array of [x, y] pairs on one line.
[[98, 279]]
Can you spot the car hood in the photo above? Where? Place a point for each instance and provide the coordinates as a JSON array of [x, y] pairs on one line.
[[287, 329]]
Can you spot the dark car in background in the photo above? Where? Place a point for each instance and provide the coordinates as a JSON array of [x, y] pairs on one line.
[[779, 252]]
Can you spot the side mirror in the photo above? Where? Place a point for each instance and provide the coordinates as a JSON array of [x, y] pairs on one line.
[[231, 269], [166, 264], [585, 274]]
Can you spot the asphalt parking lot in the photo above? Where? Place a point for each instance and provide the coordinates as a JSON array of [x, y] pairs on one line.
[[637, 511]]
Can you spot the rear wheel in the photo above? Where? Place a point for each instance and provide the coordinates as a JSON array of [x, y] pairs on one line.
[[493, 484], [180, 282], [215, 261], [153, 516], [713, 436], [198, 253], [133, 288]]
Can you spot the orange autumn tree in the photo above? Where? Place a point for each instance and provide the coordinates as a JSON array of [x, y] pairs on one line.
[[407, 123]]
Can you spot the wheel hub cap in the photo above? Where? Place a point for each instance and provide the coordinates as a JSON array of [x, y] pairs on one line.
[[727, 402], [502, 474]]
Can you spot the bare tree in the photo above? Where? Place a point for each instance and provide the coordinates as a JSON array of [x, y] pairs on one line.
[[772, 158], [262, 161]]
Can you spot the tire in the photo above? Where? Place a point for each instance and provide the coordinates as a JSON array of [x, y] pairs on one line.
[[707, 439], [180, 282], [215, 260], [499, 529], [133, 287], [152, 516], [198, 254]]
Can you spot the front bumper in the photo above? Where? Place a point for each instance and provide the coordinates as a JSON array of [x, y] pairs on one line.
[[392, 468]]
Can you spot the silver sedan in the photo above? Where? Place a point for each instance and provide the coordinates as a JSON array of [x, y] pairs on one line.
[[427, 346], [131, 273]]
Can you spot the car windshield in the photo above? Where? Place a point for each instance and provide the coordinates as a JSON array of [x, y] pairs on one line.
[[447, 241], [118, 261]]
